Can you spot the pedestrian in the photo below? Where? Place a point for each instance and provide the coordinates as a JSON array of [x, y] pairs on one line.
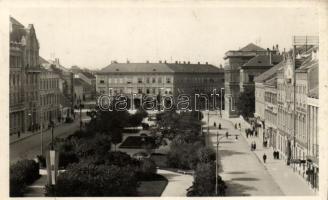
[[214, 124], [254, 145], [220, 126], [264, 157], [274, 154], [278, 155], [236, 126], [227, 134], [255, 133]]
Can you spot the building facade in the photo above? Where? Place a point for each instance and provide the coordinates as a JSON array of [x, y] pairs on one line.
[[299, 148], [24, 78], [159, 79], [240, 68], [49, 95]]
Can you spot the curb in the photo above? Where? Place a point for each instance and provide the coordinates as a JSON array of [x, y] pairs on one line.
[[23, 138]]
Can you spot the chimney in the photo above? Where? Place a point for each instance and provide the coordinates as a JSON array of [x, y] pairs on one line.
[[176, 62], [277, 47], [57, 61], [147, 61], [188, 62], [165, 61], [160, 61], [206, 63], [184, 62]]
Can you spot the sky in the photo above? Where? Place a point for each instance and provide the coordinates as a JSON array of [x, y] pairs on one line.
[[92, 37]]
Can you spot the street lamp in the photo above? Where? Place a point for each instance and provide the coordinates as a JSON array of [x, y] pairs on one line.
[[221, 102]]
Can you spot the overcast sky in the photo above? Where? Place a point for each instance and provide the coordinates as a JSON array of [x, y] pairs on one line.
[[92, 37]]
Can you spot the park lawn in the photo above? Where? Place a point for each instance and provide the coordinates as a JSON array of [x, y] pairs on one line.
[[136, 142], [152, 188]]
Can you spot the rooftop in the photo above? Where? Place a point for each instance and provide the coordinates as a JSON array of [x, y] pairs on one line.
[[263, 61], [269, 73], [252, 47], [159, 68]]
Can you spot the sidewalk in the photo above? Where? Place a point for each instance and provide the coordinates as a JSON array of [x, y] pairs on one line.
[[289, 181], [177, 183], [14, 138]]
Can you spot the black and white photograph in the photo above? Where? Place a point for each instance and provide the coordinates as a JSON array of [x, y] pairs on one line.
[[164, 99]]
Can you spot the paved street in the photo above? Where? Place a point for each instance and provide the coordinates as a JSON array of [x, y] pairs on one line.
[[31, 146], [177, 183], [290, 182], [243, 172]]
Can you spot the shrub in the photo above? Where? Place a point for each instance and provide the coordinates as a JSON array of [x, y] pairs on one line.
[[148, 167], [206, 155], [92, 180], [204, 181], [22, 173]]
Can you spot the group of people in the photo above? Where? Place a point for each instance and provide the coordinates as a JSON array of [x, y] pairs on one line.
[[276, 154], [250, 132], [253, 146]]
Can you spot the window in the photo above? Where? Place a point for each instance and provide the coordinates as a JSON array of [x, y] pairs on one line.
[[139, 90], [159, 80], [139, 80], [147, 90], [109, 80], [250, 78], [168, 80], [101, 81], [154, 90], [153, 80], [147, 80]]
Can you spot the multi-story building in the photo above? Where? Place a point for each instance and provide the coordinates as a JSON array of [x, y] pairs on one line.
[[266, 104], [159, 79], [299, 147], [66, 88], [89, 84], [24, 77], [49, 94], [240, 69]]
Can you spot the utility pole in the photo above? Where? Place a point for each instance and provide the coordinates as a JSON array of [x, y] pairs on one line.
[[216, 163], [41, 133], [80, 107], [208, 122]]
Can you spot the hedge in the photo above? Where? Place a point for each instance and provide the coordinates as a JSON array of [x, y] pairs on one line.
[[22, 173]]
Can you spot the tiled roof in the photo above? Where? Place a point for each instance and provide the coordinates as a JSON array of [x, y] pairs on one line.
[[252, 47], [42, 60], [263, 61], [88, 75], [269, 73], [14, 21], [314, 92], [159, 68]]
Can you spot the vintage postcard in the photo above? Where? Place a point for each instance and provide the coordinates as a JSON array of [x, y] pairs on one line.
[[164, 99]]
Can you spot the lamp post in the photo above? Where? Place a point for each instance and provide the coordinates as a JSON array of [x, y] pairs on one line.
[[80, 107], [41, 133], [221, 103]]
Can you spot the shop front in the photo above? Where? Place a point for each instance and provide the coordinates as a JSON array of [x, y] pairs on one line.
[[312, 172]]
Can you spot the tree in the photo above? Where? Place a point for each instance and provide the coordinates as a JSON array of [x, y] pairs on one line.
[[206, 155], [204, 181], [86, 179], [246, 103], [117, 137]]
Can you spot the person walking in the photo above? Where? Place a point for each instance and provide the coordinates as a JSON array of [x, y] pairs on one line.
[[264, 157], [227, 134], [214, 124], [254, 145]]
